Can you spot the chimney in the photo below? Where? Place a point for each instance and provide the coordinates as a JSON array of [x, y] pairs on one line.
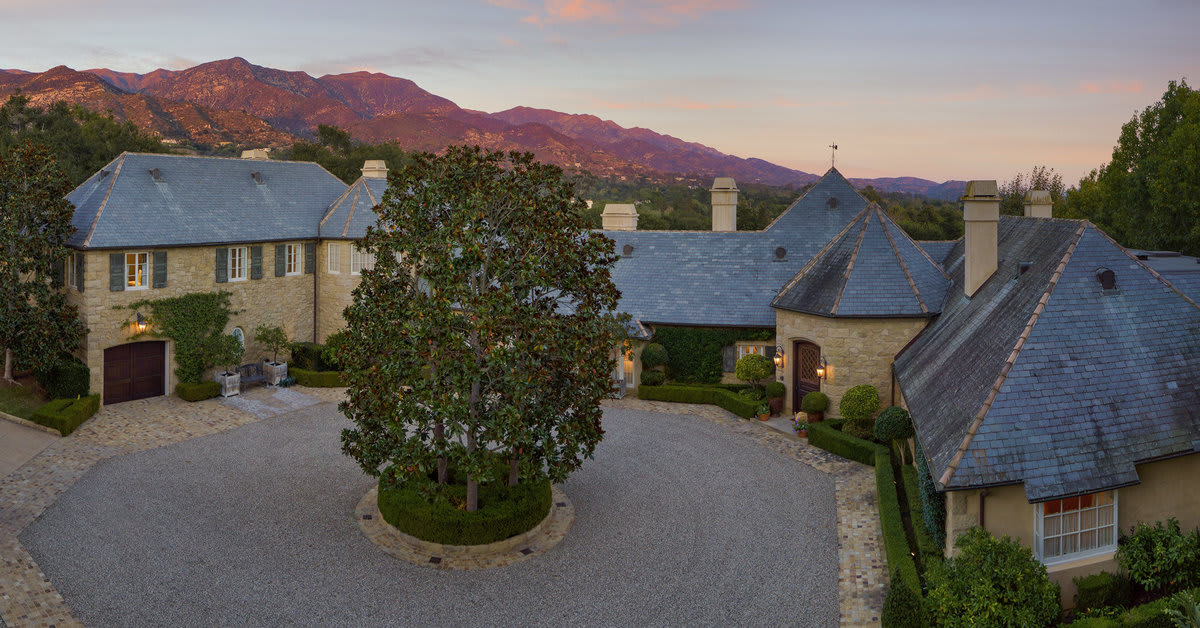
[[724, 204], [981, 213], [255, 153], [1038, 204], [375, 169], [619, 217]]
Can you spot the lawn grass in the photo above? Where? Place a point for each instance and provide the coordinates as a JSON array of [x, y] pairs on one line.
[[19, 401]]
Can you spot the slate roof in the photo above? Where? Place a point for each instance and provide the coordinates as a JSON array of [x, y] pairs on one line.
[[349, 216], [1047, 379], [199, 200], [870, 269], [728, 278], [1183, 271], [937, 249]]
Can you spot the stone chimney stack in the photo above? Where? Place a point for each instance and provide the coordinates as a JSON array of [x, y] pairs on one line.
[[619, 217], [375, 169], [1038, 204], [981, 213], [724, 204], [255, 153]]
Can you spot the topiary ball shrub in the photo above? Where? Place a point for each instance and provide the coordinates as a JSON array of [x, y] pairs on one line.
[[435, 513], [859, 403], [902, 607], [894, 423], [654, 355], [776, 390], [653, 378], [815, 401], [992, 582]]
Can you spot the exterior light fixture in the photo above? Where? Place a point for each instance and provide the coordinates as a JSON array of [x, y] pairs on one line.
[[822, 369], [141, 324], [778, 357]]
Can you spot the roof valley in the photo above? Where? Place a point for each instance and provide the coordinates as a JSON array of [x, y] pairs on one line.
[[112, 181], [853, 256], [912, 284]]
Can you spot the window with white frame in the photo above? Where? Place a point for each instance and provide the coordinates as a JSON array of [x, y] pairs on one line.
[[237, 263], [335, 257], [745, 350], [292, 266], [1076, 527], [360, 261], [69, 278], [137, 271]]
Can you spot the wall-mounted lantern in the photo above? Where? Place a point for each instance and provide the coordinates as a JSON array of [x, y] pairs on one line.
[[141, 324], [822, 369], [778, 357]]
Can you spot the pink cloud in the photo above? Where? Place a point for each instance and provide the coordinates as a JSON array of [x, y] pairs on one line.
[[657, 12], [1110, 86], [686, 104]]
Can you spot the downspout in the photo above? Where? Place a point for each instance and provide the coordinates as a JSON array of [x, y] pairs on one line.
[[316, 283], [982, 494]]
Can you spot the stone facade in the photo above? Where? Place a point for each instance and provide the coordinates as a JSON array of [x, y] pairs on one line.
[[284, 301], [858, 351], [335, 286]]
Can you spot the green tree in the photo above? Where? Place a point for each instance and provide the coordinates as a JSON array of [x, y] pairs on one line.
[[754, 368], [1012, 192], [36, 322], [272, 338], [481, 336], [336, 151], [1148, 195]]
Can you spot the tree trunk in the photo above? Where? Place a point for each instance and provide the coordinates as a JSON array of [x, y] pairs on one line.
[[8, 366], [472, 484], [439, 434], [513, 466]]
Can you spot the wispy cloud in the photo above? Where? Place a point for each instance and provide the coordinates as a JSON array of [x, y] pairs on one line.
[[687, 104], [1110, 86], [664, 13]]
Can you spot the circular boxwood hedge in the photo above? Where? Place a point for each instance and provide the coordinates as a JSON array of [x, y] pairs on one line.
[[815, 401], [654, 355], [504, 511], [859, 403]]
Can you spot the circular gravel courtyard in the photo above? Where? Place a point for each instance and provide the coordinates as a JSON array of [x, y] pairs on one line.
[[677, 521]]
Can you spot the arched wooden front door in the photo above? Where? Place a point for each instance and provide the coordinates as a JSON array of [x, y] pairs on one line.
[[806, 357]]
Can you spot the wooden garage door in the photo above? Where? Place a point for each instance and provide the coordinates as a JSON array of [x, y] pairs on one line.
[[134, 371]]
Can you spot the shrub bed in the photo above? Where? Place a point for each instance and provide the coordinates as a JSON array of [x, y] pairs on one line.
[[895, 542], [828, 436], [308, 356], [66, 380], [503, 512], [318, 379], [927, 548], [694, 353], [65, 415], [1100, 590], [198, 391], [1150, 615], [731, 401]]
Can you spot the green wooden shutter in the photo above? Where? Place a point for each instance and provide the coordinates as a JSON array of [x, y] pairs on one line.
[[58, 270], [256, 262], [160, 269], [310, 258], [80, 267], [222, 265], [280, 260], [116, 272]]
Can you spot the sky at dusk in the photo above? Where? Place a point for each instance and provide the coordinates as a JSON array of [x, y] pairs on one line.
[[939, 90]]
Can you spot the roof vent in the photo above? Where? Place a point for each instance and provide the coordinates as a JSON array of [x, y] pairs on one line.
[[257, 176], [831, 203], [104, 173], [780, 253], [1107, 278], [1024, 268], [157, 174], [627, 250], [1143, 256]]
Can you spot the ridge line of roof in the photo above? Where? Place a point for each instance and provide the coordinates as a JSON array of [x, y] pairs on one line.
[[806, 192], [370, 194], [1153, 272], [99, 210], [948, 474], [907, 275], [350, 214], [333, 207], [850, 265], [817, 256], [936, 264]]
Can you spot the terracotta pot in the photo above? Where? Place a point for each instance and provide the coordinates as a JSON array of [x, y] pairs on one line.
[[815, 417], [764, 416], [776, 406]]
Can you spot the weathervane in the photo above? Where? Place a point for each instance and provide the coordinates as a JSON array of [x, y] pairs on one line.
[[833, 155]]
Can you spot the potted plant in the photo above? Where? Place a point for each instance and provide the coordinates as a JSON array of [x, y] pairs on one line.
[[226, 351], [764, 412], [814, 405], [272, 339], [801, 428], [775, 394]]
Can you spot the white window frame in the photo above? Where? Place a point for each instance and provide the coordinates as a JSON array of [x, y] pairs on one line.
[[293, 264], [240, 335], [238, 255], [747, 349], [360, 261], [334, 253], [1040, 536], [69, 274], [141, 262]]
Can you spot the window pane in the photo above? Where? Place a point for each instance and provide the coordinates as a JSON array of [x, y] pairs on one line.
[[1105, 515], [1087, 520], [1052, 526], [1070, 544], [1087, 540], [1105, 536], [1070, 522], [1070, 503], [1104, 498], [1053, 508], [1087, 501], [1052, 548]]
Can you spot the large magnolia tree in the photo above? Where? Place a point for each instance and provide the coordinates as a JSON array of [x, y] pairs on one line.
[[36, 323], [483, 334]]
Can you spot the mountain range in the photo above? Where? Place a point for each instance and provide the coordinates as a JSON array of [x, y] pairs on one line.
[[236, 101]]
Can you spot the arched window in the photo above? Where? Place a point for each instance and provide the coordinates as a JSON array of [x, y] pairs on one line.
[[240, 335]]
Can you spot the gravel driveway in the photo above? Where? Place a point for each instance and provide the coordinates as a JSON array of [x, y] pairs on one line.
[[678, 521]]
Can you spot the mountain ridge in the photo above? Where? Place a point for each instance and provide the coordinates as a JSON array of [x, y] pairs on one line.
[[233, 100]]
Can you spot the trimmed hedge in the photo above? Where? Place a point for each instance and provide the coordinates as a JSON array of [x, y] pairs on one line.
[[815, 401], [318, 379], [903, 607], [895, 542], [828, 436], [927, 548], [1149, 615], [65, 415], [694, 353], [653, 378], [198, 391], [776, 390], [731, 401], [933, 503], [66, 380], [307, 356], [503, 512], [1100, 590], [654, 356]]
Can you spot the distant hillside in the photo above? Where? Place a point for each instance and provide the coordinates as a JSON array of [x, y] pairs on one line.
[[233, 100]]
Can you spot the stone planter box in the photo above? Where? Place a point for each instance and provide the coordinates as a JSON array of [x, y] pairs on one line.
[[230, 383], [274, 371]]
